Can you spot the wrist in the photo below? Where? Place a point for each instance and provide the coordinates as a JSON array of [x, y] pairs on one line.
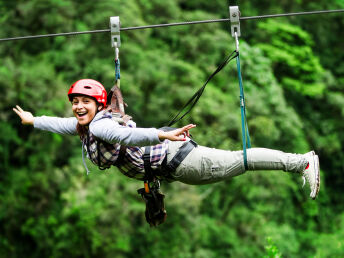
[[29, 121], [161, 135]]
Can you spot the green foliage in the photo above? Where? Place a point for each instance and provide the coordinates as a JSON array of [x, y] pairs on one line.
[[293, 60], [331, 245], [293, 76], [271, 249]]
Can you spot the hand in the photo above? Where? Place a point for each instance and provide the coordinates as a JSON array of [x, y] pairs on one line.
[[176, 135], [26, 117]]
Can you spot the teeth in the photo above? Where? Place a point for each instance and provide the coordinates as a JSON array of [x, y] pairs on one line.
[[81, 114]]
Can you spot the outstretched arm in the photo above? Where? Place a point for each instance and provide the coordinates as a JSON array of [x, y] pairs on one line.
[[51, 124], [110, 131]]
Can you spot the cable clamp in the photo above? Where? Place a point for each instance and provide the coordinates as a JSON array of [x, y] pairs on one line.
[[115, 27], [234, 15]]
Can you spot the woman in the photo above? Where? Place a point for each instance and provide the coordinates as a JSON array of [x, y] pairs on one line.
[[107, 143]]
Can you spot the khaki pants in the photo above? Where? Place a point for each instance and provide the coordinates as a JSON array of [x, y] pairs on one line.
[[208, 165]]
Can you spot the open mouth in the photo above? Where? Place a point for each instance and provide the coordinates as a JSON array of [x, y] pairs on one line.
[[81, 114]]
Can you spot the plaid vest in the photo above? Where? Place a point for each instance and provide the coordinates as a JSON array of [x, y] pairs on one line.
[[104, 155]]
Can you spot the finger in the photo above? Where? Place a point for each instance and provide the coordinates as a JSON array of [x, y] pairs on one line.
[[189, 126], [19, 108], [185, 128], [181, 138], [15, 110]]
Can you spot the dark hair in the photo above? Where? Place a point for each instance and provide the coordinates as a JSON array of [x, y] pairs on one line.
[[81, 130]]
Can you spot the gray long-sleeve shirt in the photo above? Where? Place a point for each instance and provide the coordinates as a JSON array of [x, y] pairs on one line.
[[108, 130], [103, 128]]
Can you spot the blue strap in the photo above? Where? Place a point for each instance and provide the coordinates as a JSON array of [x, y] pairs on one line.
[[117, 69], [244, 127]]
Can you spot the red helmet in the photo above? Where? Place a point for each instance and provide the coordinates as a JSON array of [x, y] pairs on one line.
[[90, 88]]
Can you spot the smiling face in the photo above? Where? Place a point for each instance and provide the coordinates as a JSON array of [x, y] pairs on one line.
[[84, 109]]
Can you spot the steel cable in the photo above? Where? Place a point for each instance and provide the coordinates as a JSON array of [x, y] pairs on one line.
[[171, 24]]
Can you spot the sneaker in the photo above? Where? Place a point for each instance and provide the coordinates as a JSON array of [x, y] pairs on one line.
[[312, 173]]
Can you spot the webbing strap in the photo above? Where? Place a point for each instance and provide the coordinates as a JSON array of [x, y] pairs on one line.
[[172, 165], [180, 156], [194, 99], [244, 126], [147, 164]]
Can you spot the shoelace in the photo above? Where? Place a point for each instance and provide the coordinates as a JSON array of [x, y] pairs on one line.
[[305, 178]]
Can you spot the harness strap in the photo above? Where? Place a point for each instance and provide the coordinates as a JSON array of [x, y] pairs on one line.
[[180, 155], [147, 164], [155, 208], [121, 155]]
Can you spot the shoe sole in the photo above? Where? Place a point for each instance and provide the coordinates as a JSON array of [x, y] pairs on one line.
[[317, 171]]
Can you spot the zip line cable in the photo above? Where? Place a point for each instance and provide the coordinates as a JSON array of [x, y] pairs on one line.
[[171, 24]]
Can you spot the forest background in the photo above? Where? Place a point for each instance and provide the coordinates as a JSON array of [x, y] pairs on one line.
[[293, 73]]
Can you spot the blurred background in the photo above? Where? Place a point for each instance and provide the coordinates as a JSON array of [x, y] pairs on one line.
[[293, 73]]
